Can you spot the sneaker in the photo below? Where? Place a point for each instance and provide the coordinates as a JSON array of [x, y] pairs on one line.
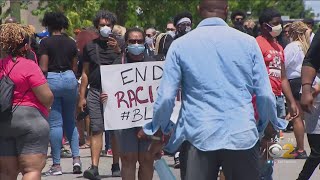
[[299, 155], [176, 164], [65, 153], [115, 169], [92, 173], [77, 168], [109, 153], [54, 171]]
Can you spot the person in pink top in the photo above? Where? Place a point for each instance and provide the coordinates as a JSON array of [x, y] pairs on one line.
[[24, 137]]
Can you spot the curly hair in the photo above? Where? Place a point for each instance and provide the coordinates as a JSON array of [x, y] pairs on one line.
[[104, 14], [55, 21], [13, 36], [238, 13]]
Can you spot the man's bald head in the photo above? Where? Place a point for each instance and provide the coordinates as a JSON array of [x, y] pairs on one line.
[[10, 20], [213, 8]]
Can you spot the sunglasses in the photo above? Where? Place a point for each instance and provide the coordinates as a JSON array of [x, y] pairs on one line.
[[136, 41], [171, 29], [185, 24]]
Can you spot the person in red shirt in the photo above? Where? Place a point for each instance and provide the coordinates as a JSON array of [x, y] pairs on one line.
[[270, 22]]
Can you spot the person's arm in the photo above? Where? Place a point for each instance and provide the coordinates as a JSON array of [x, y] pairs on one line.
[[44, 95], [167, 92], [38, 84], [83, 86], [75, 65], [44, 58], [293, 109], [310, 66], [266, 102]]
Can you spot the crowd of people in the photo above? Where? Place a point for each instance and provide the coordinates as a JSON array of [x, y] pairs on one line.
[[241, 86]]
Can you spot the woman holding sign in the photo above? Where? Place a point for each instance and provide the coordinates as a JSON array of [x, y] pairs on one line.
[[132, 149]]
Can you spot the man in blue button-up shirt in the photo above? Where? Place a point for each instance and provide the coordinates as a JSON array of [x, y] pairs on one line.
[[219, 70]]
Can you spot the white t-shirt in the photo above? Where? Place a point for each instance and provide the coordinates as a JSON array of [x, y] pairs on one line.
[[293, 58]]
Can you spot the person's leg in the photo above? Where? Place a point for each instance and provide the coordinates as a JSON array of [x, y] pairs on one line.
[[199, 165], [9, 167], [97, 129], [313, 160], [128, 165], [56, 130], [128, 147], [115, 149], [31, 166], [298, 129], [145, 161], [55, 118], [233, 163], [69, 100]]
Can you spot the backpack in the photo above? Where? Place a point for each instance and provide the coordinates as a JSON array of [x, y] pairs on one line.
[[6, 95]]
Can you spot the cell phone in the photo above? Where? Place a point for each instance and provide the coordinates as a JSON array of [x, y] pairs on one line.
[[112, 35]]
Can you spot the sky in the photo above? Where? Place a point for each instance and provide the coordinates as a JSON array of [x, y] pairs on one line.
[[315, 5]]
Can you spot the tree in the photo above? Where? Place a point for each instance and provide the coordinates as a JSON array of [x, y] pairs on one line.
[[156, 13]]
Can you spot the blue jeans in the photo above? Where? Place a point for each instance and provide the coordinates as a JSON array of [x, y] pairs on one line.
[[62, 116]]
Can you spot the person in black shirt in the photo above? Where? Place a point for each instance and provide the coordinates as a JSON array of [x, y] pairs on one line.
[[310, 66], [59, 63], [104, 50]]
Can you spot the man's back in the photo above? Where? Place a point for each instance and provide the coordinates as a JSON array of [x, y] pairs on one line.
[[219, 69]]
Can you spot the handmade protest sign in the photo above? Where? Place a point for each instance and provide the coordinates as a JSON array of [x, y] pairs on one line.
[[132, 90]]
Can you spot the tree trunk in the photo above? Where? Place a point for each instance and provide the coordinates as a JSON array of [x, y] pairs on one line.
[[15, 7]]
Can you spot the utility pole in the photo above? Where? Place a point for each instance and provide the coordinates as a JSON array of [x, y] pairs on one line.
[[15, 7]]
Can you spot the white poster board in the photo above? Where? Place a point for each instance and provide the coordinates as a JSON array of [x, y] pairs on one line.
[[132, 90]]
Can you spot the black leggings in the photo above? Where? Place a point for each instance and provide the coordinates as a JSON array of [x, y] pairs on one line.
[[313, 160]]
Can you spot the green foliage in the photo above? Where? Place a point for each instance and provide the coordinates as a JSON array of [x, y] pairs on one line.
[[156, 13]]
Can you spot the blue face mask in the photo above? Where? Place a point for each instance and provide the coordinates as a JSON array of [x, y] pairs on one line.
[[136, 49]]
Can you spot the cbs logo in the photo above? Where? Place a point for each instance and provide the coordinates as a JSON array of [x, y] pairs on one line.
[[278, 151]]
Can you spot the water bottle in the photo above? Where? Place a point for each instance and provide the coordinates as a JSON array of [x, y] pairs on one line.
[[163, 170]]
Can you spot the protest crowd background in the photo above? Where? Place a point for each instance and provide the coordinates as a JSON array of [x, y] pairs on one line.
[[215, 89]]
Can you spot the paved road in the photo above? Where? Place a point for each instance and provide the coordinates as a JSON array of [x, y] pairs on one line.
[[285, 169]]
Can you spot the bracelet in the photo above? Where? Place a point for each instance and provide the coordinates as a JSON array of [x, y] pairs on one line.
[[306, 84]]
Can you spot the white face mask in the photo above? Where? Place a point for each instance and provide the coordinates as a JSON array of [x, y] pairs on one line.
[[105, 31], [276, 30]]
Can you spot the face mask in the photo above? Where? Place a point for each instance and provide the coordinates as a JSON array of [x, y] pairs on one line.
[[136, 49], [149, 41], [105, 31], [171, 33], [276, 30], [188, 29]]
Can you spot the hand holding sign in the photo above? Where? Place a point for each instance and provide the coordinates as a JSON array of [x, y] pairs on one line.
[[103, 97]]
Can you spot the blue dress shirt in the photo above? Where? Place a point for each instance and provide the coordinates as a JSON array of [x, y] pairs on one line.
[[219, 69]]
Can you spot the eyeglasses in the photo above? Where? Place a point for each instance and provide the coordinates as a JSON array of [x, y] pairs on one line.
[[171, 29], [135, 41], [185, 24], [149, 35]]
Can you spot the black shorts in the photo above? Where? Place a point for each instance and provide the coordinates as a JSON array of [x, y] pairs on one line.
[[295, 85]]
